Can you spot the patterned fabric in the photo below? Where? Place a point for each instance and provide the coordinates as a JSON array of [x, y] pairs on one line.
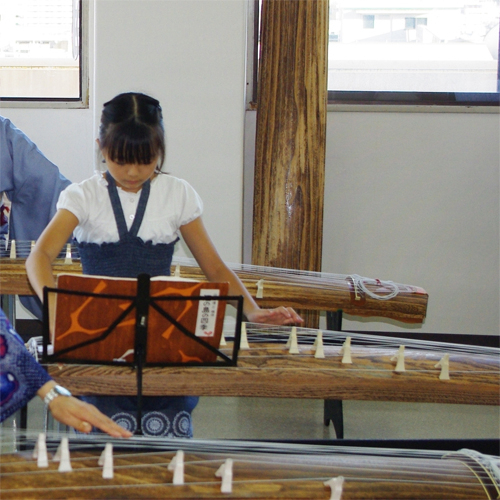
[[161, 416], [20, 375]]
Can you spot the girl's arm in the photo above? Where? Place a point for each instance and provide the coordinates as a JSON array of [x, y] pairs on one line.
[[47, 248], [68, 410], [205, 253]]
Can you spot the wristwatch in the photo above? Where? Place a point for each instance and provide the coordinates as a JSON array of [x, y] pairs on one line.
[[56, 391]]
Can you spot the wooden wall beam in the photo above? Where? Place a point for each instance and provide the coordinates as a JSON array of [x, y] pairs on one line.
[[291, 129]]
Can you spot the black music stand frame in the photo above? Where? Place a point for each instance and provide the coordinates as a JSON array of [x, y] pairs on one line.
[[141, 302]]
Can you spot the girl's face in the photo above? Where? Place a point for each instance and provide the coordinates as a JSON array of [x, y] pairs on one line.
[[130, 176]]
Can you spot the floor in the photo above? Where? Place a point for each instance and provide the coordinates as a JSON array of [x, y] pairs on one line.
[[259, 418]]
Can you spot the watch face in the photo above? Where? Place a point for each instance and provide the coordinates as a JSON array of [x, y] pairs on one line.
[[62, 390]]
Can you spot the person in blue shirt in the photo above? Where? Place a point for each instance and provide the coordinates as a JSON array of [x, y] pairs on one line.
[[22, 377], [32, 184]]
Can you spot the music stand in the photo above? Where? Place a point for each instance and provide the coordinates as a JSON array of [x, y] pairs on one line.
[[137, 334]]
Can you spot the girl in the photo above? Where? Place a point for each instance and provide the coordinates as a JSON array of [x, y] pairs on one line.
[[126, 222]]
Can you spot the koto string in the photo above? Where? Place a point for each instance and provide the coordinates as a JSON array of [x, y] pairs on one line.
[[275, 338], [337, 458], [248, 452], [29, 437], [261, 333], [309, 279]]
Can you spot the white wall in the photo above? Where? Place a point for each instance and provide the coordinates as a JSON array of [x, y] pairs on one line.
[[414, 198], [191, 56]]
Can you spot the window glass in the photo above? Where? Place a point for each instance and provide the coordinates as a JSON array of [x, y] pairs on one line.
[[425, 51], [40, 51]]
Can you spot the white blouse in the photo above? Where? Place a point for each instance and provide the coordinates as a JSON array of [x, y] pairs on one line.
[[172, 203]]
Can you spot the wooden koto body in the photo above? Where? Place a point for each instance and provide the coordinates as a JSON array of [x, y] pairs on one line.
[[268, 370], [273, 287], [291, 472]]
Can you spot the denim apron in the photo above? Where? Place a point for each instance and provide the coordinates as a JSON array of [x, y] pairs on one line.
[[161, 416]]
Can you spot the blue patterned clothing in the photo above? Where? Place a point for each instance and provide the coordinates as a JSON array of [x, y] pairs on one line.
[[20, 375], [166, 416]]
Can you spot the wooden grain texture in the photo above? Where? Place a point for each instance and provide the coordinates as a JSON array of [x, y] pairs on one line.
[[409, 306], [262, 476], [267, 370], [291, 131]]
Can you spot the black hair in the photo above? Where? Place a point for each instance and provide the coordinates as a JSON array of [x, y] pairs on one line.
[[131, 129]]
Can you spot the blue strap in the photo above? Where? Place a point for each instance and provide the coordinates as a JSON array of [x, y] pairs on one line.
[[118, 210], [141, 208]]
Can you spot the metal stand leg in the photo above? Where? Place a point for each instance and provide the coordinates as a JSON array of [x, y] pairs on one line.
[[333, 407], [333, 411], [23, 419]]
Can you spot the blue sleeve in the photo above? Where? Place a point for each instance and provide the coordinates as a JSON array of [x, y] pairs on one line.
[[20, 374], [31, 181]]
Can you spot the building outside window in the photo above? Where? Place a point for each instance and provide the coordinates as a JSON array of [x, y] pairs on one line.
[[368, 22]]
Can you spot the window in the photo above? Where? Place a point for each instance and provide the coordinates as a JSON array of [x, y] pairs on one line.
[[41, 52], [417, 52], [411, 52]]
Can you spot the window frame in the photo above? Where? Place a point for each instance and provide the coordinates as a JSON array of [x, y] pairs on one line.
[[81, 102], [442, 101]]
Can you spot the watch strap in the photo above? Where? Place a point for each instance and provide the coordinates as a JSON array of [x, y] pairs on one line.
[[56, 391]]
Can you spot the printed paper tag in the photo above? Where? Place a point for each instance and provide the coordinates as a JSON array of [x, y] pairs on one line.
[[207, 314]]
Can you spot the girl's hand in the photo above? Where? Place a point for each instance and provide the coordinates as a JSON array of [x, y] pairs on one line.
[[196, 237], [278, 316]]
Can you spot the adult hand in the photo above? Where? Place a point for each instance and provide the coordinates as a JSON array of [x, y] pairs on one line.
[[82, 416], [278, 316]]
